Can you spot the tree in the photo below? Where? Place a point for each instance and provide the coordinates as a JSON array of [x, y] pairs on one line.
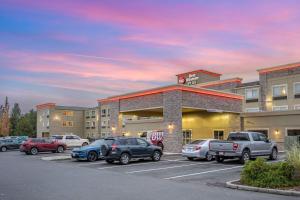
[[14, 119], [24, 126]]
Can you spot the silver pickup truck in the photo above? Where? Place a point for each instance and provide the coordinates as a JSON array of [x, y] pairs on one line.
[[243, 145]]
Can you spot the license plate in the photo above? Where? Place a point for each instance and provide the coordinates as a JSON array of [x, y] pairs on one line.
[[221, 153]]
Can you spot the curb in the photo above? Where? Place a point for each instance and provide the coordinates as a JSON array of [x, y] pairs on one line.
[[231, 185], [51, 158], [170, 154]]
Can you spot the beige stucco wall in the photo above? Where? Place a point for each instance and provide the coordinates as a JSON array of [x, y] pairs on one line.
[[43, 121], [57, 118], [203, 124], [291, 101]]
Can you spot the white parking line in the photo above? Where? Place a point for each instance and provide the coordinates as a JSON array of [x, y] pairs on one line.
[[163, 168], [136, 164], [205, 172]]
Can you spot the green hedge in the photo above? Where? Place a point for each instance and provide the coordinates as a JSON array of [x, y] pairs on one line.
[[258, 173]]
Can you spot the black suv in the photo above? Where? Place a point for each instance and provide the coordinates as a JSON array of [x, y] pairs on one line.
[[124, 149]]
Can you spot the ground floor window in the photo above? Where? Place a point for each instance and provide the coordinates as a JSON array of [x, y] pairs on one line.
[[293, 132], [187, 136], [263, 131], [45, 134], [219, 134]]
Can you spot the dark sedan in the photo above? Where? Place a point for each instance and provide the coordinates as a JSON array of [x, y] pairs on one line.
[[124, 149]]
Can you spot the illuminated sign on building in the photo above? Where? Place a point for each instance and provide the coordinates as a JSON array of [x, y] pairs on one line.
[[190, 80]]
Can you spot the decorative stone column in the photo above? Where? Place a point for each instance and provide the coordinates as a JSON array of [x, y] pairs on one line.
[[172, 113]]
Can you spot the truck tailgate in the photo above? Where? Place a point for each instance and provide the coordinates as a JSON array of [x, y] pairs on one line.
[[221, 146]]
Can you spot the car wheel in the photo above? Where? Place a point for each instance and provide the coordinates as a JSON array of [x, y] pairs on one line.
[[190, 158], [109, 161], [3, 149], [92, 156], [156, 156], [219, 159], [274, 154], [125, 158], [34, 151], [84, 144], [209, 157], [245, 157], [60, 149]]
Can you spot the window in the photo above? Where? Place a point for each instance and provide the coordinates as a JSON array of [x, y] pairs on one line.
[[70, 137], [93, 114], [252, 109], [280, 108], [103, 113], [219, 134], [142, 142], [87, 114], [103, 124], [293, 132], [297, 107], [108, 112], [132, 141], [279, 92], [297, 90], [252, 94], [68, 113], [67, 123], [238, 137], [187, 136], [87, 125], [263, 131], [255, 137], [93, 125]]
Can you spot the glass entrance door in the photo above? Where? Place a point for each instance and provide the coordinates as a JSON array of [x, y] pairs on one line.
[[187, 136]]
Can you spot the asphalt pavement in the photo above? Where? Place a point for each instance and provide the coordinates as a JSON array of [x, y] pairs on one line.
[[29, 177]]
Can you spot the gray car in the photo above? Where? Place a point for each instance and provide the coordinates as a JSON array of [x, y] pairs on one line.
[[9, 144], [197, 149]]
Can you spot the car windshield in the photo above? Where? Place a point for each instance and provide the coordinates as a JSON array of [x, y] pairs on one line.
[[96, 143], [198, 142]]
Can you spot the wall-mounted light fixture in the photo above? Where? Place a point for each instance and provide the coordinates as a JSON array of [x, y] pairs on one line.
[[113, 128], [276, 132], [56, 117], [171, 126]]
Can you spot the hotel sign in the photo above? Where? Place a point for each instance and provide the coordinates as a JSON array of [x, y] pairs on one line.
[[190, 80]]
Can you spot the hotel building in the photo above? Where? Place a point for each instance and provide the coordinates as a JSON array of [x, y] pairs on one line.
[[201, 105]]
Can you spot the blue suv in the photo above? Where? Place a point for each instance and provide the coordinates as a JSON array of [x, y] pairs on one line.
[[91, 152]]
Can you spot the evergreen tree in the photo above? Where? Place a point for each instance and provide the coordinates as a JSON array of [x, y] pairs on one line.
[[24, 126], [14, 119]]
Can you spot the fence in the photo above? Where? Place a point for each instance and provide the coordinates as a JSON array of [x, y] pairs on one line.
[[290, 141]]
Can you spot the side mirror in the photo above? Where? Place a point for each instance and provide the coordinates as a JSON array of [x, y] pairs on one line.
[[267, 141]]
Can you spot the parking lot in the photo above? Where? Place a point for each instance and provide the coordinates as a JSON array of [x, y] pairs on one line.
[[171, 167], [172, 177]]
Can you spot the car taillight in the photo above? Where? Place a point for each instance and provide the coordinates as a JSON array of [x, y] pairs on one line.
[[198, 148], [235, 146], [114, 147]]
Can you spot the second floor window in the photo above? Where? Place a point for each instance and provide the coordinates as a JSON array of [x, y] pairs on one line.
[[103, 112], [68, 113], [251, 93], [279, 91], [297, 90]]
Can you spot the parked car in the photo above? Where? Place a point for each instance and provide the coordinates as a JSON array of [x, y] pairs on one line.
[[71, 140], [124, 149], [91, 152], [35, 145], [6, 144], [197, 149], [243, 145]]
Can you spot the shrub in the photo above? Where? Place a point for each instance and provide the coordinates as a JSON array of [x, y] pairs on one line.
[[258, 173], [293, 158]]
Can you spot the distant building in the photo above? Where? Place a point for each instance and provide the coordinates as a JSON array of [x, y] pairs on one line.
[[59, 120], [4, 118]]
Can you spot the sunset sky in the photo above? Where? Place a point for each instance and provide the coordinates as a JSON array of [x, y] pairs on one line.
[[73, 52]]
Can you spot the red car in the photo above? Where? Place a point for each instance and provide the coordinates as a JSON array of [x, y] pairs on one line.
[[35, 145]]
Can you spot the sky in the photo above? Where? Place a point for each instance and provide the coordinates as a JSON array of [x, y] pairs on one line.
[[73, 52]]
